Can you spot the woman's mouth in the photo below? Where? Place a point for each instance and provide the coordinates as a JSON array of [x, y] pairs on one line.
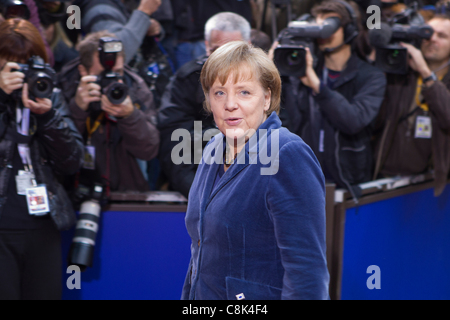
[[233, 121]]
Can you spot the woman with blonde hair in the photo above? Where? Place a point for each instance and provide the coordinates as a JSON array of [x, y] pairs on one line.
[[257, 222]]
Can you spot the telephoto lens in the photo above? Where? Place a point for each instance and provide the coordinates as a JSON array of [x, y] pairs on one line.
[[83, 243]]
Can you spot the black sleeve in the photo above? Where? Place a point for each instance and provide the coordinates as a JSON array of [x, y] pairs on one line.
[[181, 106], [352, 117], [59, 138]]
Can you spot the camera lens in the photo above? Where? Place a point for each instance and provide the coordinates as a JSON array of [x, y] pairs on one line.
[[293, 58], [83, 243], [116, 92], [392, 57], [40, 85], [392, 60], [291, 61]]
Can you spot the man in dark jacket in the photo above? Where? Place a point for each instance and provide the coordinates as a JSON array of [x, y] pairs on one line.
[[182, 102], [413, 128], [190, 17], [333, 107], [116, 136]]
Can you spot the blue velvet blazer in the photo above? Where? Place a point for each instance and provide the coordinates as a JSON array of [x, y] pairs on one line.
[[258, 236]]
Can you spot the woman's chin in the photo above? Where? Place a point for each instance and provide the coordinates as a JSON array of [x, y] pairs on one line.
[[239, 135]]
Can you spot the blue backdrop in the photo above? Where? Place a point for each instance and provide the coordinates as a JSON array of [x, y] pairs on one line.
[[408, 237], [145, 255], [138, 255]]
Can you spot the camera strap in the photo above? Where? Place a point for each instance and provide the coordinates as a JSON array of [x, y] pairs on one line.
[[23, 127], [89, 149], [91, 129], [36, 195], [89, 162]]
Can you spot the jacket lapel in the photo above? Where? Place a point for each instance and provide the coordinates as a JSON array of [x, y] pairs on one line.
[[231, 173]]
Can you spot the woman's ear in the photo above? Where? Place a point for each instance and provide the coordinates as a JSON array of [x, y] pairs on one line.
[[267, 99]]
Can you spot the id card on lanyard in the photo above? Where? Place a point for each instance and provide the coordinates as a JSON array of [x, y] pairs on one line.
[[423, 126], [37, 198]]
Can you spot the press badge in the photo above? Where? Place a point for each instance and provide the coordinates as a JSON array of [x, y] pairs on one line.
[[37, 200], [89, 157], [24, 180], [423, 127]]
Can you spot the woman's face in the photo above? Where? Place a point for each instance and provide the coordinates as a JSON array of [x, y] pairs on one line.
[[239, 108]]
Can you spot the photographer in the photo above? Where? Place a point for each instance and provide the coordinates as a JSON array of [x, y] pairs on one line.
[[112, 15], [413, 126], [115, 120], [333, 106], [38, 141]]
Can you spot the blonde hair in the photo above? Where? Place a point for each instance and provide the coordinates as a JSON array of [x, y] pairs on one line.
[[233, 58]]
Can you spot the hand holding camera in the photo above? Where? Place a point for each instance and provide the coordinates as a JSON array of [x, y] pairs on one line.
[[40, 106], [122, 110], [310, 79], [88, 91], [31, 81], [416, 60], [10, 80]]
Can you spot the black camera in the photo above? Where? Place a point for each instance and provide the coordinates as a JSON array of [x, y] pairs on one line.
[[40, 78], [408, 26], [290, 54], [108, 80], [14, 9], [81, 251]]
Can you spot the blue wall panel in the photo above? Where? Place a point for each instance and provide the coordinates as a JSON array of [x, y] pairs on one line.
[[408, 237], [138, 255]]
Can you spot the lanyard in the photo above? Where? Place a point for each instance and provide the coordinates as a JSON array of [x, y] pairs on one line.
[[419, 97], [23, 127], [91, 130]]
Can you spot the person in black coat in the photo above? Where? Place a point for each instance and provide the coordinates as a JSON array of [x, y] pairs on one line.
[[334, 105], [38, 143]]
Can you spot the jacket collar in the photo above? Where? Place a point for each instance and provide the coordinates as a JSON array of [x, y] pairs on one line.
[[247, 156]]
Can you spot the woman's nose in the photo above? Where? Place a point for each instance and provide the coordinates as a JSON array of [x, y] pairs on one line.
[[231, 102]]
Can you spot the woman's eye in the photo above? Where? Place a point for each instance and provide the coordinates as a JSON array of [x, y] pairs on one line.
[[219, 93], [245, 92]]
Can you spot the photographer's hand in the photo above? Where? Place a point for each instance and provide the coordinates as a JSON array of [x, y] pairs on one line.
[[417, 61], [154, 29], [10, 81], [88, 91], [311, 79], [123, 110], [40, 106], [149, 6]]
